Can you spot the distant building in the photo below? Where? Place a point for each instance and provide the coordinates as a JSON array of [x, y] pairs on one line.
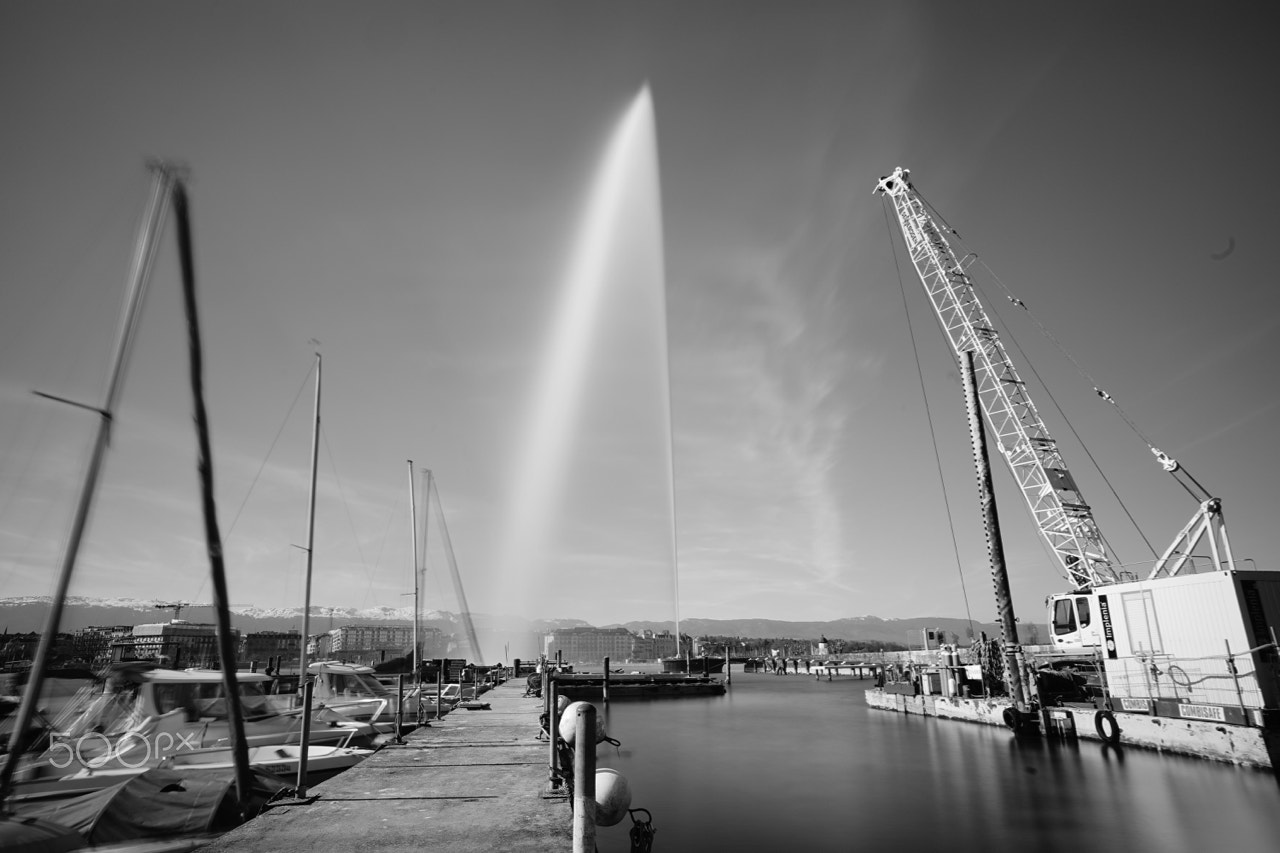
[[262, 646], [177, 643], [653, 646], [92, 646], [374, 643], [18, 649], [590, 644]]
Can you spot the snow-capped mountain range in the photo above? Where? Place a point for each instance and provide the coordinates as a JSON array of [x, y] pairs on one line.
[[27, 613]]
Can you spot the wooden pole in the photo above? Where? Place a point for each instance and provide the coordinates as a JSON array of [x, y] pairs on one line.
[[213, 539], [606, 679]]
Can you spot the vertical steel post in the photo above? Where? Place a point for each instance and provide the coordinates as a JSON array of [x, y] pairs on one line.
[[553, 732], [413, 532], [439, 687], [311, 533], [1235, 677], [728, 667], [584, 779], [305, 743], [995, 544], [400, 708], [606, 679]]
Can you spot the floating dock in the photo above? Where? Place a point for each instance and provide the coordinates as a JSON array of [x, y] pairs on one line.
[[474, 781], [591, 685]]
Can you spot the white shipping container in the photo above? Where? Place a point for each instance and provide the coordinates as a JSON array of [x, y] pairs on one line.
[[1169, 638]]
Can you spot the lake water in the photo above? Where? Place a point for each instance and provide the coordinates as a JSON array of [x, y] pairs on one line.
[[788, 762]]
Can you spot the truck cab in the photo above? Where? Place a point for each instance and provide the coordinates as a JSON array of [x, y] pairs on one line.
[[1073, 620]]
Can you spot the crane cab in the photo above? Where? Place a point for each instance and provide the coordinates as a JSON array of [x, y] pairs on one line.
[[1074, 620]]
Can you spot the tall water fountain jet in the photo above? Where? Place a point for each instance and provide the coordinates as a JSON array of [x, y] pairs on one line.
[[618, 255]]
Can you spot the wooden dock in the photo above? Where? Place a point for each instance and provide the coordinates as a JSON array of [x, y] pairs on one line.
[[470, 782]]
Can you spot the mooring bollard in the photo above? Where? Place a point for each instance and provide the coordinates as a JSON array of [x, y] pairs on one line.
[[606, 680], [584, 780], [301, 786]]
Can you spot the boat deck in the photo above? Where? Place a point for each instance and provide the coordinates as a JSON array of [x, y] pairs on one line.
[[470, 782]]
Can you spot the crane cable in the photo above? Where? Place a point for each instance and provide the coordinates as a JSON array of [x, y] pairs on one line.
[[1044, 546], [1079, 369], [937, 457], [1043, 329]]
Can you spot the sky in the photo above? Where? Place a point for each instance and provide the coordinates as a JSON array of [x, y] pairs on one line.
[[407, 184]]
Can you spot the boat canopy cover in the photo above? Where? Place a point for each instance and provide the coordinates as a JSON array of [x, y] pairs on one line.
[[36, 835], [151, 804]]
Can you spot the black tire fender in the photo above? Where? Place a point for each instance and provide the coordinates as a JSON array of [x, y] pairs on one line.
[[1104, 722], [1012, 719]]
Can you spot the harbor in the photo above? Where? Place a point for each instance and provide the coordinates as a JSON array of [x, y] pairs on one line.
[[691, 556]]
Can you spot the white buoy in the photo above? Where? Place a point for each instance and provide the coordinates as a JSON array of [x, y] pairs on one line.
[[613, 797], [567, 718], [562, 702]]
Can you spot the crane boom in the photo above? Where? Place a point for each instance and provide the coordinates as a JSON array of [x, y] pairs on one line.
[[1063, 518]]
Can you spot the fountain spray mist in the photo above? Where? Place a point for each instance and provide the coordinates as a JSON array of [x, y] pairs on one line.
[[618, 245]]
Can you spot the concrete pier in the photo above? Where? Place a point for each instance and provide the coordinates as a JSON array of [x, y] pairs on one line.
[[472, 781], [1239, 745]]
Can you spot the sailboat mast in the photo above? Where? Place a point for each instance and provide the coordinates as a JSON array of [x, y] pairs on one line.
[[213, 538], [421, 568], [140, 274], [311, 537], [467, 623], [413, 532]]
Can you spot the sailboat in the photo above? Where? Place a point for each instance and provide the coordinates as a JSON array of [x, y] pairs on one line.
[[231, 755], [167, 190]]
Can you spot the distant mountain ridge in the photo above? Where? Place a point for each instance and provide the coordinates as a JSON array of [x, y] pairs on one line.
[[27, 613], [867, 628]]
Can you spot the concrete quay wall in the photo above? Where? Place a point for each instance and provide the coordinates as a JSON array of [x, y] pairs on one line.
[[1244, 746], [473, 781]]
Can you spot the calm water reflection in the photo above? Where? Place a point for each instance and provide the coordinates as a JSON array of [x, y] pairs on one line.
[[784, 763]]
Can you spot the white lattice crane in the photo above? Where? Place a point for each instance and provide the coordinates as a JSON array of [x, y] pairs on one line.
[[1060, 512], [1063, 517]]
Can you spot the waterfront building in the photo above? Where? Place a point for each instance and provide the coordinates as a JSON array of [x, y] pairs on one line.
[[92, 646], [649, 645], [262, 646], [374, 643], [178, 644], [590, 644], [17, 650]]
